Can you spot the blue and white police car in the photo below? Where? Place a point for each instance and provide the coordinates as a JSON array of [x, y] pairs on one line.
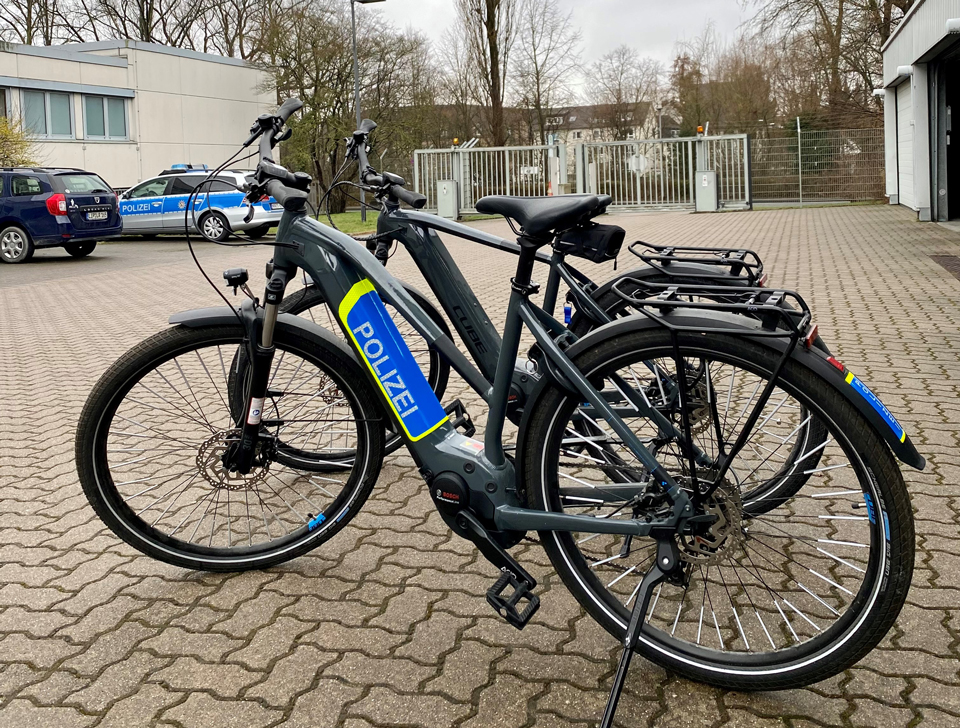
[[158, 206]]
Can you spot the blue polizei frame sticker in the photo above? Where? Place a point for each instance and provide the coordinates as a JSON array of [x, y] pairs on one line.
[[875, 402], [388, 357]]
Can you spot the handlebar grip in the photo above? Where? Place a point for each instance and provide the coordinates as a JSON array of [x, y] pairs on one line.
[[414, 199], [289, 107], [292, 200]]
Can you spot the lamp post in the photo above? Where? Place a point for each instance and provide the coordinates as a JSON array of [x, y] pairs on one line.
[[660, 121], [356, 84]]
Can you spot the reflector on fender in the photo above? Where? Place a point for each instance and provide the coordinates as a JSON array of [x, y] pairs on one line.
[[836, 362]]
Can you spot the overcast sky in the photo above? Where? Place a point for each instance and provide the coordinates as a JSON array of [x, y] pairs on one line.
[[653, 27]]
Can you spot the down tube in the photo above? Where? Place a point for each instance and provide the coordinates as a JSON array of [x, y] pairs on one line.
[[405, 390]]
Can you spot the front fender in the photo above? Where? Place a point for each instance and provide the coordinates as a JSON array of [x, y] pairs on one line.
[[224, 316], [844, 381]]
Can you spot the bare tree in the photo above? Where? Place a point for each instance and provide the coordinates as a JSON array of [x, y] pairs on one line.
[[547, 57], [841, 40], [29, 21], [623, 87], [489, 30]]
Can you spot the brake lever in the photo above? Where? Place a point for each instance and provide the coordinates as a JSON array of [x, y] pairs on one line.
[[249, 216]]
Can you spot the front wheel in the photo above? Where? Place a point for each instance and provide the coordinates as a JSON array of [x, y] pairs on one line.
[[153, 433], [15, 245], [766, 600]]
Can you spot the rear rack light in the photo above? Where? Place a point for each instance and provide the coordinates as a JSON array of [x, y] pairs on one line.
[[57, 204], [811, 336], [762, 282]]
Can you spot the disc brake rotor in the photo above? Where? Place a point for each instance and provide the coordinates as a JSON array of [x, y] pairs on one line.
[[210, 464], [712, 545]]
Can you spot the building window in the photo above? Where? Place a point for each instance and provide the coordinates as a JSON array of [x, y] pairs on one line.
[[105, 117], [596, 133], [554, 120], [47, 114], [578, 135], [3, 103]]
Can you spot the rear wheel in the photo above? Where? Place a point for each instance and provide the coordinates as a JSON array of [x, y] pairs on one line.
[[766, 600], [259, 232], [15, 245], [214, 227], [81, 250], [153, 432], [787, 480]]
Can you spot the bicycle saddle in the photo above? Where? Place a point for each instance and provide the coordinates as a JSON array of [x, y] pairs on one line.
[[538, 215]]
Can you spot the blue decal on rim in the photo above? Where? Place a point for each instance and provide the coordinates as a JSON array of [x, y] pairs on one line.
[[871, 514], [315, 521], [388, 357], [875, 402]]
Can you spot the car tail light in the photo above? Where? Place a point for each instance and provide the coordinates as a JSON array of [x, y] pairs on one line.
[[57, 204]]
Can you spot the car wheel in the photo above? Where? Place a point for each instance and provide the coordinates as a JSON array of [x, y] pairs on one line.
[[15, 245], [81, 250], [215, 227], [259, 231]]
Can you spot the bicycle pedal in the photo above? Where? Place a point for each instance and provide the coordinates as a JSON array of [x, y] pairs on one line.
[[507, 605], [461, 418]]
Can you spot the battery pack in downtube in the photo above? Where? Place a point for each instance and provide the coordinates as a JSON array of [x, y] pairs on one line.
[[387, 356]]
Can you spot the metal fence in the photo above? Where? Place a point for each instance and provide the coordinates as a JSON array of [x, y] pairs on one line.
[[484, 171], [776, 165], [839, 164], [660, 173]]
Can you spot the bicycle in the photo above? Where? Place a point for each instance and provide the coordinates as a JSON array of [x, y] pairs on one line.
[[708, 270], [820, 578]]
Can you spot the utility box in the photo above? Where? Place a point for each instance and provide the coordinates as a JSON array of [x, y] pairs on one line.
[[448, 201], [706, 191]]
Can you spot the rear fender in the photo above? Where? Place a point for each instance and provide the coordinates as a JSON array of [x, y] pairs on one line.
[[844, 381]]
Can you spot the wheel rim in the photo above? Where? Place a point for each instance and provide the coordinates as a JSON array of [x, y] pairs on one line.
[[12, 245], [834, 556], [168, 429], [213, 227]]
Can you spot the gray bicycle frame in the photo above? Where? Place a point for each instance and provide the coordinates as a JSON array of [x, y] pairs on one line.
[[417, 232], [336, 262]]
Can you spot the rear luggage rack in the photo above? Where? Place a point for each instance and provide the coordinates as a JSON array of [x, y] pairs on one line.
[[739, 262], [781, 313]]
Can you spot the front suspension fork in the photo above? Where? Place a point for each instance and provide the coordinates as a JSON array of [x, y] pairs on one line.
[[260, 333]]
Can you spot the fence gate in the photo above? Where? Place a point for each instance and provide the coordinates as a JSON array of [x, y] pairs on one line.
[[637, 174], [660, 173], [485, 171]]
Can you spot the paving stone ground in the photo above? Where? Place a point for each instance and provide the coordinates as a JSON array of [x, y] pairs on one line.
[[387, 624]]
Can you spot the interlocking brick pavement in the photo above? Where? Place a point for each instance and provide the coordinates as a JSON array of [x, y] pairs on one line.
[[387, 624]]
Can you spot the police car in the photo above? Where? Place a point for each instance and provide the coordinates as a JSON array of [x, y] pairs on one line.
[[159, 205]]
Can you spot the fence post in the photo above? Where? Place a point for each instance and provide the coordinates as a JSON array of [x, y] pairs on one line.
[[800, 161], [416, 172], [693, 180], [579, 166], [748, 171]]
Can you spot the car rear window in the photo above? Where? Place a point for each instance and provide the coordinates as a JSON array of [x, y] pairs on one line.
[[80, 184]]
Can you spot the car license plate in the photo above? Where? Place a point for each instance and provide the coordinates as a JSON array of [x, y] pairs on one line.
[[97, 215], [276, 206]]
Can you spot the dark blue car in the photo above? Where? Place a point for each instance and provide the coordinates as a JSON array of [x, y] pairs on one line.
[[46, 208]]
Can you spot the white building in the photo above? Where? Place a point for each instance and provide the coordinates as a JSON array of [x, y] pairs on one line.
[[127, 110], [921, 79]]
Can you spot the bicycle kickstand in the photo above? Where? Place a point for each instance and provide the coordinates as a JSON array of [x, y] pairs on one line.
[[668, 561]]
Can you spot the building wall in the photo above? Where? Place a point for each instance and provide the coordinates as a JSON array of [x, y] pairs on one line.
[[182, 107]]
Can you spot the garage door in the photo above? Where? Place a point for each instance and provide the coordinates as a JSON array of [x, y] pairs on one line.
[[905, 145]]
